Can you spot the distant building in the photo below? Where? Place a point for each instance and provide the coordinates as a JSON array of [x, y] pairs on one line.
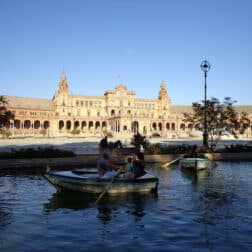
[[119, 111]]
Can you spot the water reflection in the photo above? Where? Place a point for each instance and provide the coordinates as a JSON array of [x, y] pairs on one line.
[[135, 203], [193, 212], [69, 200], [196, 177], [5, 214]]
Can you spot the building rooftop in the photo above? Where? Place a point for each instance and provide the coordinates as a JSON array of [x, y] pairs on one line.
[[180, 109], [29, 103]]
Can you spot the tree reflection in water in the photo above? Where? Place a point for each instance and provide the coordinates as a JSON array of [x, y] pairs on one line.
[[214, 201]]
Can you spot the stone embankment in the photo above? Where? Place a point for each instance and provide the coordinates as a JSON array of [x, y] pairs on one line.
[[89, 160]]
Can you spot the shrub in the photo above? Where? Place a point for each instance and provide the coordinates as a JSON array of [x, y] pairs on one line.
[[48, 152], [168, 149], [43, 132], [235, 148], [75, 132], [5, 133], [109, 134], [155, 135]]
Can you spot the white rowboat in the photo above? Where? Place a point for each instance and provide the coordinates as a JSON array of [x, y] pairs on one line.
[[195, 164], [91, 183]]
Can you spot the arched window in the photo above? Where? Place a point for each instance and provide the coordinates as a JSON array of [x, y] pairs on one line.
[[97, 125], [76, 124], [17, 124], [37, 124], [83, 125], [134, 126], [90, 125], [104, 125], [182, 126], [46, 124], [168, 126], [190, 126], [154, 126], [112, 113], [27, 124], [61, 125], [160, 126], [68, 125], [173, 126]]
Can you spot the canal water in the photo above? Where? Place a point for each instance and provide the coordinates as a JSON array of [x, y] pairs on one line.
[[210, 212]]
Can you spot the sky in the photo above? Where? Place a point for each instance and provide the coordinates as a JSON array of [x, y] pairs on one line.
[[102, 43]]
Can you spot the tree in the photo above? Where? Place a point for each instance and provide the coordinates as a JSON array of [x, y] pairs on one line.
[[221, 118], [5, 115], [138, 141]]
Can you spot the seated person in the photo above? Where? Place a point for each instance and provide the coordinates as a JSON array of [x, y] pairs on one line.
[[129, 164], [138, 166], [104, 164], [192, 152], [104, 143]]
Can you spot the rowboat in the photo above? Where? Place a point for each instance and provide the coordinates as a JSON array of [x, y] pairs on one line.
[[91, 183], [195, 163], [92, 170]]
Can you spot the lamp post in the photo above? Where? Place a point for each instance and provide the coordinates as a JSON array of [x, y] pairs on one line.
[[205, 67]]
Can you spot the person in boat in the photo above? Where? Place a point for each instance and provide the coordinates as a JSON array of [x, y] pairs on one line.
[[104, 143], [129, 164], [104, 164], [138, 166], [193, 152]]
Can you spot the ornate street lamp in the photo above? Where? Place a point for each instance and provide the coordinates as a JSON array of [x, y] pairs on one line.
[[205, 67]]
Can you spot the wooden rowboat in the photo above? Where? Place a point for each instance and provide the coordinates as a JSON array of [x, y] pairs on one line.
[[91, 183], [195, 164]]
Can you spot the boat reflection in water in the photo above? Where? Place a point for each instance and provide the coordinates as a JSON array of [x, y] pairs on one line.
[[196, 177], [69, 200], [108, 207]]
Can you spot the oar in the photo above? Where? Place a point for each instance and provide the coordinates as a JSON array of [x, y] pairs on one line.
[[107, 187], [171, 162]]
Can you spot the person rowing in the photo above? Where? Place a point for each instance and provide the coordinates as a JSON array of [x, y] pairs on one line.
[[105, 167]]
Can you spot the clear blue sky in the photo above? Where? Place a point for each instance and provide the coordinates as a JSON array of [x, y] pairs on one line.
[[145, 41]]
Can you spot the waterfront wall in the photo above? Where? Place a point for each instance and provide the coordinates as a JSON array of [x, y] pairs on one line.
[[89, 160]]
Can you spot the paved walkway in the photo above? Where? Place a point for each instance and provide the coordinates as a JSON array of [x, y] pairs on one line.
[[90, 145], [77, 145]]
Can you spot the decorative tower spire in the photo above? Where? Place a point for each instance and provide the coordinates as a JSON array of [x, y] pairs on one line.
[[63, 86], [162, 92]]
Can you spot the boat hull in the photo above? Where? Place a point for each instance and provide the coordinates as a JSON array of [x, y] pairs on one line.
[[91, 183], [194, 163]]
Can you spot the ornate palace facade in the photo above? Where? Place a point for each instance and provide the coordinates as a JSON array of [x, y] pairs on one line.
[[119, 111]]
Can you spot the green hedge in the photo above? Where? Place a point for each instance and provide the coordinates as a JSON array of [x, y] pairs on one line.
[[182, 149], [48, 152], [235, 148]]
